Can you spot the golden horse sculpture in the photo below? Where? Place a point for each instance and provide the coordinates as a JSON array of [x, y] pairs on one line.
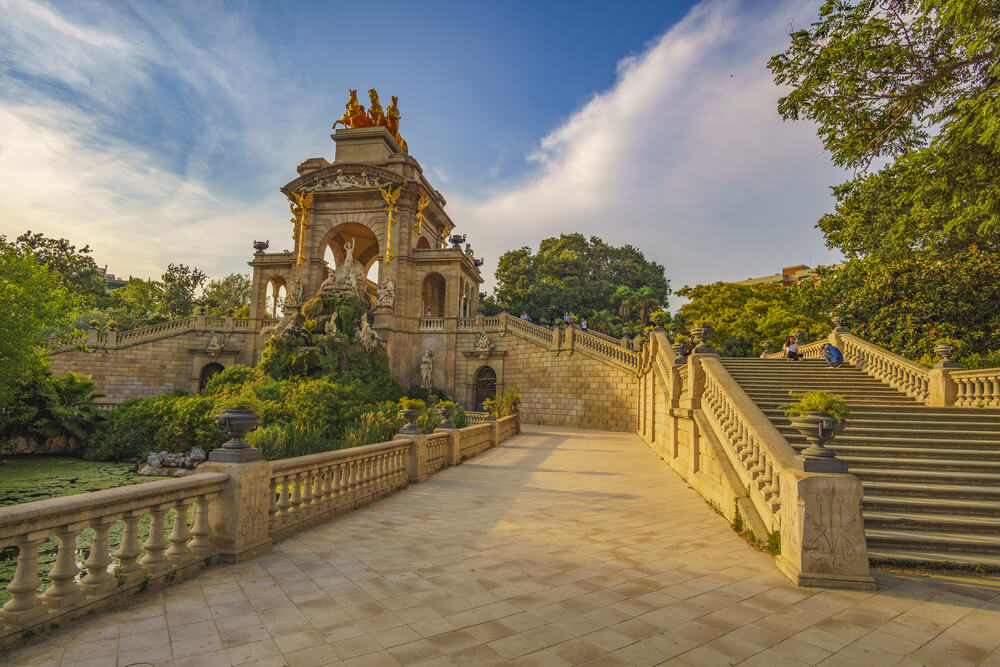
[[356, 116]]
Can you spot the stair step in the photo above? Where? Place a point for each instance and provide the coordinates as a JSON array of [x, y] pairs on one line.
[[909, 489], [942, 541], [914, 520], [877, 426], [946, 506], [849, 438], [921, 464], [918, 453], [917, 556], [928, 477]]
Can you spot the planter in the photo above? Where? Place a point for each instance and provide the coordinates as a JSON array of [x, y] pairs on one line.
[[701, 334], [818, 428], [658, 321], [411, 415], [944, 351], [236, 423], [446, 415]]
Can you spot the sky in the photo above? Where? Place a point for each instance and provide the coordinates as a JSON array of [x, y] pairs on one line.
[[162, 132]]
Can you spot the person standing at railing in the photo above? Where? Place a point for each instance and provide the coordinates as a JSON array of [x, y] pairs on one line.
[[583, 324], [834, 357], [525, 316], [566, 317], [791, 348]]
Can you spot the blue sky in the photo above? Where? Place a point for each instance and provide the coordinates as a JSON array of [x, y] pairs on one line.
[[160, 132]]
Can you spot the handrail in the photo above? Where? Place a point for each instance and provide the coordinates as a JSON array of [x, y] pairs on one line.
[[755, 448], [977, 387], [612, 351], [473, 440], [907, 376], [141, 332], [528, 328], [432, 323]]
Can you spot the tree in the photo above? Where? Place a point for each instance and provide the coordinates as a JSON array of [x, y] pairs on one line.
[[177, 293], [231, 292], [75, 268], [575, 274], [744, 316], [31, 299]]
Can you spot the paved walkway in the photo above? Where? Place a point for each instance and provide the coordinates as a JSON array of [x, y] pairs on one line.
[[560, 547]]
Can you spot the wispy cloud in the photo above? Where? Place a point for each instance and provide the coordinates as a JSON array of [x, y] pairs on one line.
[[684, 157]]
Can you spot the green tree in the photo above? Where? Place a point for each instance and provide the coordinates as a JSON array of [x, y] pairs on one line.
[[177, 292], [136, 304], [32, 298], [229, 293], [575, 274], [74, 267]]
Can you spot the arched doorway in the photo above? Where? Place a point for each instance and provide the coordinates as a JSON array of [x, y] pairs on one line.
[[486, 386], [432, 296], [207, 372]]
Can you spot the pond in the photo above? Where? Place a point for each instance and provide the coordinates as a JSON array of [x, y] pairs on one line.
[[24, 479]]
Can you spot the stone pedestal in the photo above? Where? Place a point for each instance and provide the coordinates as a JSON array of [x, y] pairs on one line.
[[239, 516], [823, 534], [942, 389]]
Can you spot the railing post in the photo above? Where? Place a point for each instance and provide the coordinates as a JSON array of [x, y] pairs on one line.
[[418, 454], [942, 389], [238, 516]]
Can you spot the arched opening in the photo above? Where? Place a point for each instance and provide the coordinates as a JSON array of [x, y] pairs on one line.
[[207, 372], [365, 252], [486, 386], [423, 244], [432, 296], [274, 298]]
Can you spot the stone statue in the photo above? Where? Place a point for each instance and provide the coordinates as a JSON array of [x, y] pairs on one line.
[[484, 344], [427, 370], [386, 297], [346, 279], [369, 337], [214, 346], [297, 291], [331, 327], [468, 250]]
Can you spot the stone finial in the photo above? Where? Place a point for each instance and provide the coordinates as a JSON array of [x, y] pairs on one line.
[[838, 324], [765, 349], [701, 334], [944, 351]]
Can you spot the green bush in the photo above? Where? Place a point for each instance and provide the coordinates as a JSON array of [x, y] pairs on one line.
[[282, 441], [429, 420], [460, 420], [379, 425], [817, 401], [232, 379]]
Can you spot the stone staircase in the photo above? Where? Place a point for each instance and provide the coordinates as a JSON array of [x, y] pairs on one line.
[[931, 475]]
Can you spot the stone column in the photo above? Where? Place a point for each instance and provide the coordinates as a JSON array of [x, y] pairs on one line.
[[942, 389], [239, 515]]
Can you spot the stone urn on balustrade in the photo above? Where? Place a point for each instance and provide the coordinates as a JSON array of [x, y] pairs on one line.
[[447, 412], [818, 428], [411, 415], [944, 351], [236, 422]]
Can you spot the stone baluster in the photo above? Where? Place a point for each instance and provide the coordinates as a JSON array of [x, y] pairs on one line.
[[283, 501], [24, 604], [296, 499], [308, 480], [98, 580], [155, 562], [178, 552], [128, 570], [201, 543], [272, 509], [322, 497], [64, 592]]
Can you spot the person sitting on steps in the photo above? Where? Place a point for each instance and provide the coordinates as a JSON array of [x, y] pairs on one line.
[[834, 357], [791, 348]]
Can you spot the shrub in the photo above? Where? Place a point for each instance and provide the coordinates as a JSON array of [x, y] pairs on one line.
[[231, 379], [281, 441], [405, 403], [817, 401], [379, 425], [429, 420], [460, 420], [323, 405]]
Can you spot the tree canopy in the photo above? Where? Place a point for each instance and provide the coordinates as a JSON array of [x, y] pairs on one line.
[[585, 277]]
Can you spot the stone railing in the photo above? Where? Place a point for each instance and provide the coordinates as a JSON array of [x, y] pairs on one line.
[[612, 351], [224, 512], [492, 322], [311, 488], [72, 338], [701, 422], [907, 376], [157, 329], [474, 440], [508, 427], [476, 417], [602, 336], [26, 526], [527, 329], [431, 324], [466, 323], [976, 388]]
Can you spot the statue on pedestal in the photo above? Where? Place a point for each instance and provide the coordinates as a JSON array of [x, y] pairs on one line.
[[368, 337], [386, 297], [427, 370]]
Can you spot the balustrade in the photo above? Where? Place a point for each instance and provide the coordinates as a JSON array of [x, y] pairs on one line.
[[474, 440], [977, 388], [432, 323], [908, 377]]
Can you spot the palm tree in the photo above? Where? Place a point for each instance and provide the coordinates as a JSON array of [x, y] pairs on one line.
[[625, 298], [645, 300]]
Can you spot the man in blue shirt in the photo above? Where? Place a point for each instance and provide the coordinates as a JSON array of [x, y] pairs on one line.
[[833, 356]]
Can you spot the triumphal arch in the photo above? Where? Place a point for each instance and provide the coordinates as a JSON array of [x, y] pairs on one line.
[[373, 209]]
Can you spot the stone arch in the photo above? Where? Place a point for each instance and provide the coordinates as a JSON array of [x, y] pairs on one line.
[[432, 295], [207, 371], [423, 243], [485, 385], [275, 295]]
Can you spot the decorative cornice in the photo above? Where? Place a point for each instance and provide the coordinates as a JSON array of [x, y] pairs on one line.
[[351, 176]]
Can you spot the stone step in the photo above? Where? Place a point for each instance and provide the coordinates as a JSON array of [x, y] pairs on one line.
[[971, 466], [895, 539], [917, 556], [943, 490], [985, 480], [906, 452], [945, 506], [915, 520], [908, 412], [969, 429], [917, 439]]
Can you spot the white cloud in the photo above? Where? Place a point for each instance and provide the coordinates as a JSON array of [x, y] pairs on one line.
[[684, 157]]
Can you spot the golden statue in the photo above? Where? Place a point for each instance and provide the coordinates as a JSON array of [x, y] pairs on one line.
[[375, 111], [390, 198], [444, 235], [422, 203], [300, 204], [355, 114]]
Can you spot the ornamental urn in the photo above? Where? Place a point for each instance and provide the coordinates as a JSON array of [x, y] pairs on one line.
[[818, 428], [236, 422]]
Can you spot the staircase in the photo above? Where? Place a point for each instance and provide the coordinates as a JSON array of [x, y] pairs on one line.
[[931, 475]]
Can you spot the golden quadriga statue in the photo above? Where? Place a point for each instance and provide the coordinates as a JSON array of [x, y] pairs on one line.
[[356, 116]]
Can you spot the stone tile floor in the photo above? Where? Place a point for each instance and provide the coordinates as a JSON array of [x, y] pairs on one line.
[[560, 547]]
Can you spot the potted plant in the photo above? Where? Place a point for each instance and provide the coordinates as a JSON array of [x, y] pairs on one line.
[[447, 410], [411, 408], [818, 416]]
